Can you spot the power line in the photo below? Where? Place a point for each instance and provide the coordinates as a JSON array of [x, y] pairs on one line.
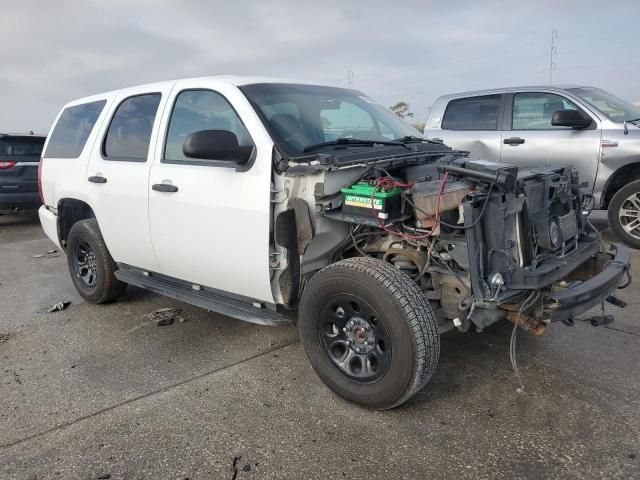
[[593, 34], [599, 66]]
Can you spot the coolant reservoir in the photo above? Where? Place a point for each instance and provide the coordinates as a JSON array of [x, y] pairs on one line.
[[425, 196]]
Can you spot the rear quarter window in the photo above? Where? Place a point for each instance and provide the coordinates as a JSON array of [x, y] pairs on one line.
[[72, 130], [472, 113]]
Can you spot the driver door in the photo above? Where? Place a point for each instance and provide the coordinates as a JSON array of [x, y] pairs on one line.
[[529, 139], [210, 219]]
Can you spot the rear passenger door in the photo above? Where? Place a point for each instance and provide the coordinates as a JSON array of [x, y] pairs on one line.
[[118, 174], [472, 124], [529, 139]]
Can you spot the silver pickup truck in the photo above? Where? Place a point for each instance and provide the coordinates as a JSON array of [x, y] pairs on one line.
[[532, 126]]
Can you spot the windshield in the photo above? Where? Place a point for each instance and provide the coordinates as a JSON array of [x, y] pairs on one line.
[[300, 116], [614, 108]]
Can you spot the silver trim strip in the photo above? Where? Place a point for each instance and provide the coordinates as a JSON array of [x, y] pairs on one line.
[[26, 164]]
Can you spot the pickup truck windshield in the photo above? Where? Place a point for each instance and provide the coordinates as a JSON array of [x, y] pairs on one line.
[[613, 107], [301, 116]]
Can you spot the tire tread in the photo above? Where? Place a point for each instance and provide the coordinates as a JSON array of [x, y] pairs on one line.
[[612, 214], [417, 312], [113, 288]]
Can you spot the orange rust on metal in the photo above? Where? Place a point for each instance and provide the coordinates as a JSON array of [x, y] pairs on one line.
[[528, 324]]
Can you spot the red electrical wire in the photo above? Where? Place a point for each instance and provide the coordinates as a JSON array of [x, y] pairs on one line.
[[387, 183]]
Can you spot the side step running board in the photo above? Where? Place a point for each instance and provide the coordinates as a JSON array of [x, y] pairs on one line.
[[204, 297]]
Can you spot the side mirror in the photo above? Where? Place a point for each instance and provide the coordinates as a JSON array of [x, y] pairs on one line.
[[219, 145], [570, 118]]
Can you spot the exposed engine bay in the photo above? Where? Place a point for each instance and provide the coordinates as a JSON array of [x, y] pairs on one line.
[[484, 241]]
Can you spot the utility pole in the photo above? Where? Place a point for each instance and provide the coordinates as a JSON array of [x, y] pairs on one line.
[[552, 53], [350, 78]]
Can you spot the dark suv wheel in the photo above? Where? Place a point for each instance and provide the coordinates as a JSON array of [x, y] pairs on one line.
[[369, 332], [90, 264], [624, 214]]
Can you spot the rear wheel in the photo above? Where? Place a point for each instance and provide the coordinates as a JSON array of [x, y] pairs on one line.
[[624, 214], [369, 332], [90, 264]]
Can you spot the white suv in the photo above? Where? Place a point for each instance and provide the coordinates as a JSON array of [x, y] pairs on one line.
[[256, 199]]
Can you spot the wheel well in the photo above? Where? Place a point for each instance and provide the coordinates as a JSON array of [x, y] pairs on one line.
[[619, 179], [71, 211]]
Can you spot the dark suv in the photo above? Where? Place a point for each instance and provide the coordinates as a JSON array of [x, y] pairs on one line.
[[19, 159]]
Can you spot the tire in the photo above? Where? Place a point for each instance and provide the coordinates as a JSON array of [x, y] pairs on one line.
[[385, 315], [90, 264], [627, 199]]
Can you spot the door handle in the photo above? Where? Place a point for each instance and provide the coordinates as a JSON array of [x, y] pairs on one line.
[[513, 141], [97, 179], [164, 187]]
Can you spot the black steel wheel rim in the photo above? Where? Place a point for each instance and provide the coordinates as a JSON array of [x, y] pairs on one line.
[[84, 260], [353, 338]]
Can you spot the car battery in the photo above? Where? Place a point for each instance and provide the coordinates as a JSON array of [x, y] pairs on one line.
[[360, 200]]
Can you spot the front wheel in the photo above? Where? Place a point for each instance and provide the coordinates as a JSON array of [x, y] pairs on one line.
[[90, 264], [369, 332], [624, 214]]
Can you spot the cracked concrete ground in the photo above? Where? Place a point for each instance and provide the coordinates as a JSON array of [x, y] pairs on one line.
[[101, 392]]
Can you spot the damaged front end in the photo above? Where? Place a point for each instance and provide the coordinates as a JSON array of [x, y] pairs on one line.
[[484, 241], [536, 256]]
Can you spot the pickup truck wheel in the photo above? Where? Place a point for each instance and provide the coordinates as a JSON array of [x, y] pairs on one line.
[[369, 332], [624, 214], [90, 264]]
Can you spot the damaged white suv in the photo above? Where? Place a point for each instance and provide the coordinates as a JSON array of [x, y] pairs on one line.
[[258, 199]]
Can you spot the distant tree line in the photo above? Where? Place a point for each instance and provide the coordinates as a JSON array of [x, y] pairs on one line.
[[403, 110]]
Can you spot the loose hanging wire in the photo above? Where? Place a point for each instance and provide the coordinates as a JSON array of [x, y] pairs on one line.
[[529, 301]]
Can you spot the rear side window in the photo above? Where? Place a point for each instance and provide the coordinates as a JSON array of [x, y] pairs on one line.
[[473, 113], [21, 146], [197, 110], [130, 129], [72, 130]]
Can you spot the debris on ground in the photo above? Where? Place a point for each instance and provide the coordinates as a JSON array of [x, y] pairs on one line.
[[58, 306], [4, 337], [53, 253], [166, 316]]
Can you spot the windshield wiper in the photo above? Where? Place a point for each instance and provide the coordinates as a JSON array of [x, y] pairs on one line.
[[353, 141], [410, 138], [414, 139], [633, 121]]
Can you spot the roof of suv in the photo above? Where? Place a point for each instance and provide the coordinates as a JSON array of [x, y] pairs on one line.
[[491, 91], [236, 80]]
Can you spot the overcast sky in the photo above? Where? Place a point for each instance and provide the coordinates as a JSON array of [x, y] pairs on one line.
[[52, 52]]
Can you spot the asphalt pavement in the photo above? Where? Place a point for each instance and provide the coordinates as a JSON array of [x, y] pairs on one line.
[[97, 392]]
